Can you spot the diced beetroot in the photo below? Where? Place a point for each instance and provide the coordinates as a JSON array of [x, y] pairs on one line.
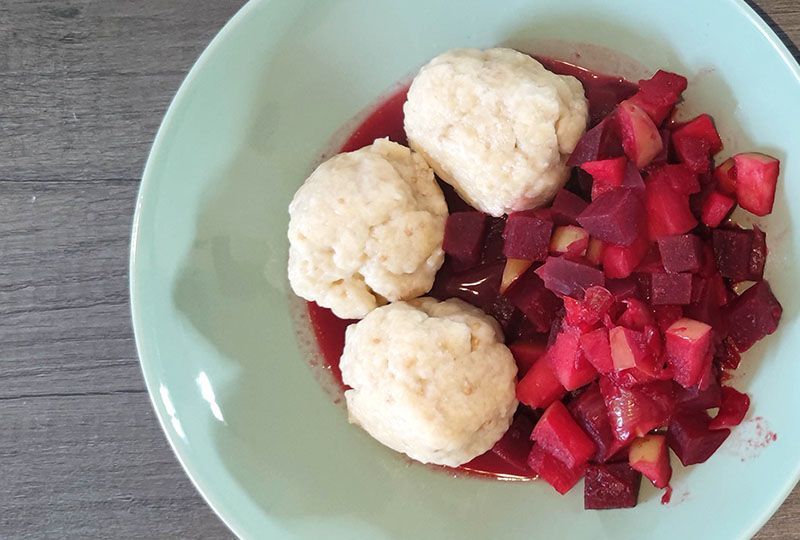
[[607, 174], [615, 217], [690, 437], [716, 208], [758, 254], [703, 128], [708, 377], [526, 354], [627, 348], [594, 252], [559, 435], [633, 179], [463, 237], [569, 240], [622, 288], [696, 399], [597, 350], [567, 207], [640, 137], [725, 175], [652, 261], [589, 411], [513, 269], [554, 471], [688, 350], [756, 180], [621, 261], [493, 245], [732, 409], [666, 315], [679, 176], [681, 253], [613, 485], [659, 94], [600, 142], [650, 456], [637, 315], [479, 286], [595, 304], [569, 278], [732, 251], [753, 315], [693, 152], [526, 237], [727, 355], [671, 288], [635, 411], [515, 445], [567, 361], [539, 387], [667, 211], [530, 296]]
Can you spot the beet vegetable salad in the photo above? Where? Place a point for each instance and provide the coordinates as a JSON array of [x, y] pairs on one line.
[[520, 268]]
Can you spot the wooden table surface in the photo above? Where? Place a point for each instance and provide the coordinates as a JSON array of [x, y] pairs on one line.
[[83, 87]]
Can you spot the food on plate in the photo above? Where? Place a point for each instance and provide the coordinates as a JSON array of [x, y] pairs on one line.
[[365, 229], [626, 296], [430, 379], [496, 125]]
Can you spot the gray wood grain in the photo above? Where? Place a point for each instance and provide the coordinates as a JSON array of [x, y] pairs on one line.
[[83, 87]]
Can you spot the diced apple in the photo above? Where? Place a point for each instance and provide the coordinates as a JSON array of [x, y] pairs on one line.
[[650, 456], [596, 348], [621, 261], [636, 315], [725, 175], [539, 388], [732, 410], [594, 252], [640, 137], [688, 350], [626, 347], [607, 174], [558, 434], [513, 269], [716, 208], [756, 180], [635, 411], [567, 361], [592, 309], [570, 240]]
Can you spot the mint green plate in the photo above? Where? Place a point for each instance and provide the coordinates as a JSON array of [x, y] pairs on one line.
[[224, 345]]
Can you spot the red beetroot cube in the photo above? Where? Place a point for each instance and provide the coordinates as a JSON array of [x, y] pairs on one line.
[[594, 251], [479, 286], [635, 411], [688, 350], [640, 137], [756, 180], [716, 207], [592, 309], [703, 128], [758, 254], [554, 471], [620, 261], [679, 176], [464, 233], [558, 434], [526, 353], [622, 288], [567, 361], [681, 253], [614, 485], [526, 237], [532, 298], [615, 217], [752, 316], [637, 315], [607, 174], [589, 411], [569, 278], [659, 94], [567, 207], [539, 387], [515, 445], [650, 456], [670, 288], [725, 175], [666, 315], [727, 355], [690, 437], [732, 409], [633, 179], [693, 152], [696, 399], [732, 251], [667, 211], [600, 142], [596, 348]]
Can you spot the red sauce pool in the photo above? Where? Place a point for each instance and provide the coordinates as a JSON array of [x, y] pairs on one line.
[[603, 93]]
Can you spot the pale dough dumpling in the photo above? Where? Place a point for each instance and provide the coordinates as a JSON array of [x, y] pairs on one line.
[[496, 125]]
